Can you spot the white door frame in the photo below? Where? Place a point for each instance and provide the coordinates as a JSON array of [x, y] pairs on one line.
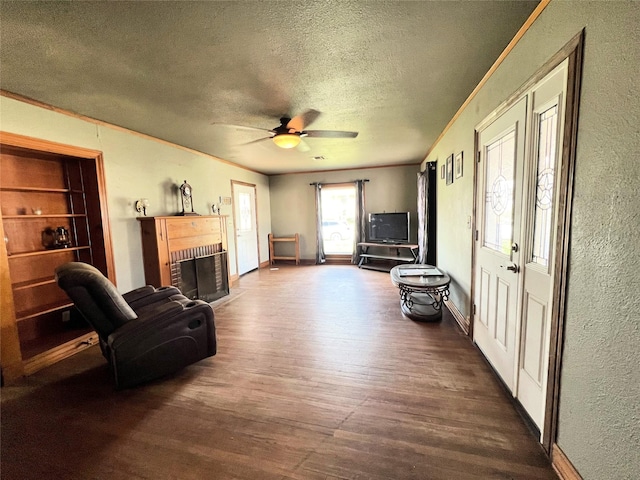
[[573, 51], [235, 230]]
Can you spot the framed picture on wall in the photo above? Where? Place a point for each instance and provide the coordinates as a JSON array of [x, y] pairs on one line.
[[458, 165], [449, 169]]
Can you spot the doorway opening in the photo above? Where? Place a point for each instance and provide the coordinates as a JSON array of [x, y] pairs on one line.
[[520, 264], [246, 226], [338, 204]]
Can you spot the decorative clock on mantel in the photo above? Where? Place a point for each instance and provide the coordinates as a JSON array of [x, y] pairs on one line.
[[186, 193]]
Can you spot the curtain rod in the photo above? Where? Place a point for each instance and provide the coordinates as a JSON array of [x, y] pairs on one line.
[[339, 183], [429, 166]]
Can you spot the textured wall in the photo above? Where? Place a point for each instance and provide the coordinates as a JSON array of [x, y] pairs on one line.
[[293, 202], [600, 385], [455, 207], [600, 398], [136, 168]]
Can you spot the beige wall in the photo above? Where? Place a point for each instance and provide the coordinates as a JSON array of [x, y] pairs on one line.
[[293, 202], [137, 167], [454, 209], [600, 384]]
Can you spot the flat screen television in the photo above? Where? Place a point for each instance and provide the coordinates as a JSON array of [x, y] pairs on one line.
[[389, 227]]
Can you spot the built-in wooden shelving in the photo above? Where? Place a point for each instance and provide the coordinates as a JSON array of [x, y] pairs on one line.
[[41, 191], [52, 215]]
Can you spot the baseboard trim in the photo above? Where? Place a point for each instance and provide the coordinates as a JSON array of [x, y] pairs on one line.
[[459, 317], [561, 464], [338, 261]]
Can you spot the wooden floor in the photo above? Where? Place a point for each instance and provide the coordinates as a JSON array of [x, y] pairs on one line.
[[318, 376]]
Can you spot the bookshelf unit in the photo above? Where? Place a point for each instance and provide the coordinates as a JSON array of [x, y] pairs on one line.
[[45, 186]]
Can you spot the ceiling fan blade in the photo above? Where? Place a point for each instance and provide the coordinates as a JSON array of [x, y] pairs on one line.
[[329, 134], [303, 146], [257, 141], [303, 120], [243, 127]]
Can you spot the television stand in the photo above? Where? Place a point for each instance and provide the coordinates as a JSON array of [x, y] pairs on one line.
[[393, 253]]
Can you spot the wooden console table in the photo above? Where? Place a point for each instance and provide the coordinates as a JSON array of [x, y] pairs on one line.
[[404, 253], [294, 239]]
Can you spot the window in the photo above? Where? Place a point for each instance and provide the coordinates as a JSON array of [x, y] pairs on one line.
[[338, 218]]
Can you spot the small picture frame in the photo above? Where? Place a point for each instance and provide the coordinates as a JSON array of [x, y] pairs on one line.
[[449, 169], [442, 171], [458, 165]]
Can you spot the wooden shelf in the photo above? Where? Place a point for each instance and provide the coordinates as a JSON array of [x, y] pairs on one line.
[[46, 252], [52, 307], [295, 239], [44, 215], [33, 283], [31, 348], [38, 189]]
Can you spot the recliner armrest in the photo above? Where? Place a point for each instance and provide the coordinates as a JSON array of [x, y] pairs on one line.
[[137, 293], [154, 321], [143, 296]]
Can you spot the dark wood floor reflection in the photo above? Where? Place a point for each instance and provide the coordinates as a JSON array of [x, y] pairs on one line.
[[318, 376]]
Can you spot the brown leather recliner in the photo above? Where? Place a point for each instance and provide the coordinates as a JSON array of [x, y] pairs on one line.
[[144, 334]]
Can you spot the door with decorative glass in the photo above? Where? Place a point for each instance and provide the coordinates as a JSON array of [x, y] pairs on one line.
[[244, 209], [516, 200], [539, 224], [497, 250]]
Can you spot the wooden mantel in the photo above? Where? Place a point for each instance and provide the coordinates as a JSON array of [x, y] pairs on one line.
[[165, 237]]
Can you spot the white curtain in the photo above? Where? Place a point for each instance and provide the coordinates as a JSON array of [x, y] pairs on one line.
[[423, 215], [359, 235], [320, 255]]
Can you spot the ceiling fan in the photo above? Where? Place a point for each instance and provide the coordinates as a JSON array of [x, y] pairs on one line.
[[290, 132]]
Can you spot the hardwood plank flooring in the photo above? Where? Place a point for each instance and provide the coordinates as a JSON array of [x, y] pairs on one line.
[[318, 376]]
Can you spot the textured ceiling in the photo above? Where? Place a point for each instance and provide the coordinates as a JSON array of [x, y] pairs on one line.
[[396, 72]]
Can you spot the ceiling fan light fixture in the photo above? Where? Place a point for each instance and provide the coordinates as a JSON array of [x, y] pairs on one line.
[[287, 140]]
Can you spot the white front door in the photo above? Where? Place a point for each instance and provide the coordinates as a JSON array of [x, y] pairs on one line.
[[246, 228], [517, 211], [497, 254], [539, 223]]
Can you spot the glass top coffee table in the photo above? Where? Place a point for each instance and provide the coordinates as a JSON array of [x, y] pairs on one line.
[[423, 289]]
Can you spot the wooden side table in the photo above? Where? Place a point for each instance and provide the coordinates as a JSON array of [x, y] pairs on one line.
[[294, 239], [423, 290]]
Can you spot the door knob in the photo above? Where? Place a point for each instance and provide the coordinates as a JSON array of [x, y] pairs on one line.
[[513, 268]]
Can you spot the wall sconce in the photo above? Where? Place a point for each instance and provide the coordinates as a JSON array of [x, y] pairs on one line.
[[142, 205]]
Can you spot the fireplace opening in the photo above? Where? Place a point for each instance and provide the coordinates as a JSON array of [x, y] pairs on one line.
[[205, 277]]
